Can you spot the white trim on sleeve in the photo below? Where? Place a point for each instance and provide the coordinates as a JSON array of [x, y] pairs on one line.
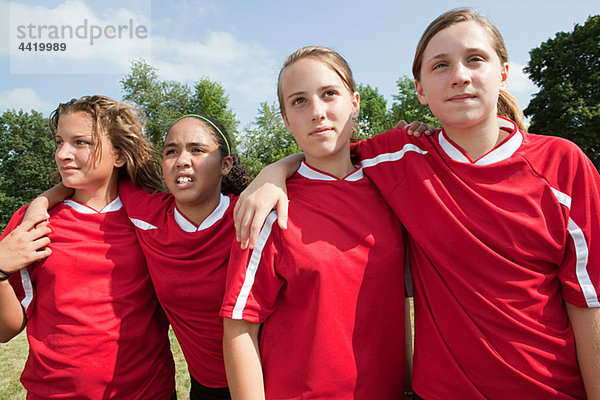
[[388, 157], [581, 254], [27, 287], [255, 257]]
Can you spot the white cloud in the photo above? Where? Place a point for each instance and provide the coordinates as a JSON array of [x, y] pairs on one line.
[[26, 99], [519, 84], [242, 67], [95, 42]]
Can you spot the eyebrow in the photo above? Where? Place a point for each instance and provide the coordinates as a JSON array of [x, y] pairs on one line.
[[193, 144], [469, 50], [318, 89]]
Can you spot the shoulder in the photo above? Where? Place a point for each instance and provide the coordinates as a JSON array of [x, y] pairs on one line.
[[546, 151], [561, 162], [15, 220]]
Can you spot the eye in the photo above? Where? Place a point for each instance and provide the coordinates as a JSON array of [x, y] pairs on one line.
[[168, 152], [439, 65], [298, 101], [58, 142], [475, 59], [329, 93], [198, 150], [81, 142]]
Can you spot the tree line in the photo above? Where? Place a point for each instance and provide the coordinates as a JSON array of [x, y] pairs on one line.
[[565, 68]]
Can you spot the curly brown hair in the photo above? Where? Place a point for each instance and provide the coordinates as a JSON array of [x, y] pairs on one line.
[[124, 126]]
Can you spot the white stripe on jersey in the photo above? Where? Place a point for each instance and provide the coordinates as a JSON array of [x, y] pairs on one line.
[[27, 287], [242, 299], [387, 157], [581, 254], [142, 224]]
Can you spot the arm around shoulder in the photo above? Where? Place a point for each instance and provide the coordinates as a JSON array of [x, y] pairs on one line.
[[266, 192]]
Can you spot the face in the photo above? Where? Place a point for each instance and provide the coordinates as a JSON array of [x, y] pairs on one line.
[[461, 76], [192, 164], [319, 109], [74, 155]]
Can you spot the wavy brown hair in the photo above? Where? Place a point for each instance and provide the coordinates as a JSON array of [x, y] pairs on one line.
[[124, 126]]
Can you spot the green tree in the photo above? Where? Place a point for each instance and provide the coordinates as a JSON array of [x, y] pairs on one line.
[[210, 99], [374, 116], [26, 160], [407, 106], [164, 101], [567, 71], [160, 101], [267, 140]]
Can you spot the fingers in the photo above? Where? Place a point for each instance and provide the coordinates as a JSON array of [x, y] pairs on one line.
[[243, 232], [430, 130], [282, 212], [401, 124], [32, 220], [416, 128], [257, 223]]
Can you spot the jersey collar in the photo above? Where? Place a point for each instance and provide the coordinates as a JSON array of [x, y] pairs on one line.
[[83, 209], [502, 152], [308, 172], [216, 215]]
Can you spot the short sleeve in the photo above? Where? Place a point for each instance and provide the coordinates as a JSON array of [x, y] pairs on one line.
[[252, 281], [20, 281], [579, 271]]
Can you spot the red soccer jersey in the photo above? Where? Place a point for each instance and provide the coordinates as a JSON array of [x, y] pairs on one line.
[[496, 245], [94, 325], [188, 265], [328, 291]]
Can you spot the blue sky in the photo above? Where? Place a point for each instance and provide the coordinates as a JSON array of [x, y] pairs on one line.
[[243, 43]]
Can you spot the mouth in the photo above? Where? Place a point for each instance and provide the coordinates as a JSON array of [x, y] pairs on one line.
[[462, 97], [67, 169], [182, 180], [321, 131]]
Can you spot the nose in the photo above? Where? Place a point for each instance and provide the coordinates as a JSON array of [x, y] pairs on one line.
[[461, 75], [318, 110], [64, 152], [183, 161]]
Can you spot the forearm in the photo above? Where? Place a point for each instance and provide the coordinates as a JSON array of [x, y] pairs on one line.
[[12, 318], [285, 167], [586, 327], [242, 360]]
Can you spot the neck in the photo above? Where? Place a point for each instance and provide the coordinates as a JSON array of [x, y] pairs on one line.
[[339, 166], [479, 140], [197, 213], [97, 199]]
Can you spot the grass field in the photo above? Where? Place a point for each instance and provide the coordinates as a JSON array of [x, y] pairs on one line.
[[14, 354]]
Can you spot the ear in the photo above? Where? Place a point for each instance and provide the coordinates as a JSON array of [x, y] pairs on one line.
[[120, 159], [421, 93], [504, 77], [285, 121], [226, 165], [355, 105]]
